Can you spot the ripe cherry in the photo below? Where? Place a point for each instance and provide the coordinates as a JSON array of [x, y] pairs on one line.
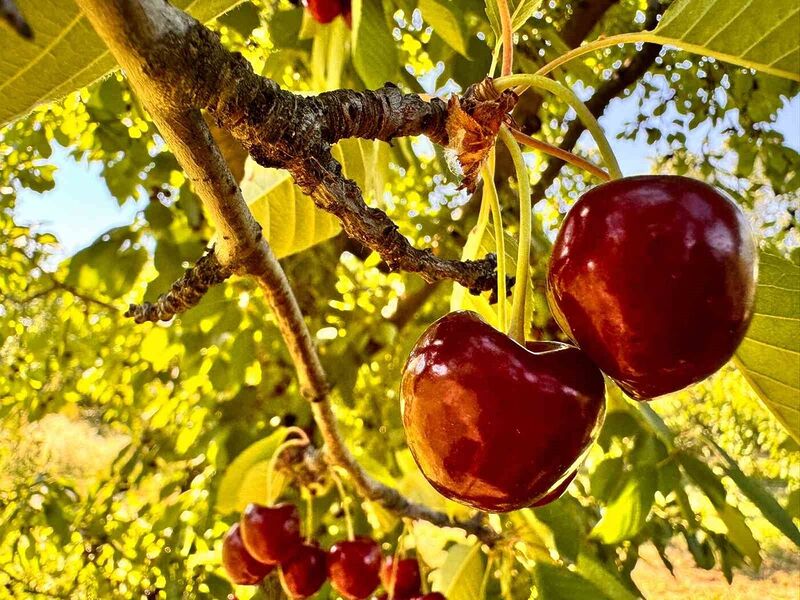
[[354, 566], [654, 278], [305, 572], [491, 423], [271, 533], [241, 567], [405, 576], [324, 11]]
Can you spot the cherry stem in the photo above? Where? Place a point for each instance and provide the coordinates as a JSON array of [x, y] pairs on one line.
[[309, 515], [273, 461], [490, 198], [508, 36], [557, 152], [398, 552], [568, 96], [486, 574], [517, 328], [345, 504]]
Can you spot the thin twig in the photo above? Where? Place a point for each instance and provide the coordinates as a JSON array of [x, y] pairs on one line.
[[508, 37], [559, 153]]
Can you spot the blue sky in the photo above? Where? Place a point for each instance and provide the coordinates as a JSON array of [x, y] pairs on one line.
[[80, 207]]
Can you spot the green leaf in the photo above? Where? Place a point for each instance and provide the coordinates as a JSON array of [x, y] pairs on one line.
[[760, 34], [759, 496], [595, 572], [290, 219], [605, 479], [558, 583], [769, 356], [739, 533], [65, 53], [374, 49], [628, 512], [704, 478], [110, 265], [245, 478], [460, 577], [445, 19]]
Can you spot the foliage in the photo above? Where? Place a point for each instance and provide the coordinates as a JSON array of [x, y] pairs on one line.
[[127, 449]]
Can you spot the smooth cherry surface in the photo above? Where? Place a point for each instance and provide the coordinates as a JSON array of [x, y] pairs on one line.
[[406, 577], [306, 571], [325, 11], [354, 567], [654, 278], [241, 567], [271, 533], [491, 423]]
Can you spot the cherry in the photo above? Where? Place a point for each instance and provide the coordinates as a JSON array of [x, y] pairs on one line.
[[556, 492], [241, 567], [305, 572], [271, 533], [325, 11], [354, 566], [491, 423], [654, 278], [405, 575]]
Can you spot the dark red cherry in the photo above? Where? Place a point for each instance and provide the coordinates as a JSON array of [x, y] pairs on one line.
[[354, 567], [306, 571], [654, 278], [324, 11], [491, 423], [271, 533], [556, 492], [241, 567], [405, 576]]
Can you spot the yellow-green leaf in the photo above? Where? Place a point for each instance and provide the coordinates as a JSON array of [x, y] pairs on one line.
[[761, 34], [65, 53], [769, 356]]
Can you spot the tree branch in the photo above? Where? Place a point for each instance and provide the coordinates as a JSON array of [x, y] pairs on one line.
[[135, 31]]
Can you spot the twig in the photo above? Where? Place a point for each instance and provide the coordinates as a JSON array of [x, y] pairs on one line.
[[508, 36], [185, 293], [12, 14]]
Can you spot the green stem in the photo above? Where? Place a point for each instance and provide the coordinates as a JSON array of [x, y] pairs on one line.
[[568, 96], [345, 505], [273, 461], [490, 198], [654, 38], [517, 328], [486, 574]]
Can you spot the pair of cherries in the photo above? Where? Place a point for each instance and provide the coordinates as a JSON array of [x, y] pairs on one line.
[[268, 537], [652, 277]]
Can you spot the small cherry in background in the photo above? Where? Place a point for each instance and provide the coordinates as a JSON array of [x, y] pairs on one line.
[[239, 564], [271, 534], [354, 567], [401, 577], [325, 11], [305, 571]]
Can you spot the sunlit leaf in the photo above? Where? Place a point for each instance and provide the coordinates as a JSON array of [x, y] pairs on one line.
[[627, 513], [769, 356]]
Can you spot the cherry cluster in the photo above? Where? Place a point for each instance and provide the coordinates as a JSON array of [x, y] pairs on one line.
[[653, 279], [325, 11], [268, 537]]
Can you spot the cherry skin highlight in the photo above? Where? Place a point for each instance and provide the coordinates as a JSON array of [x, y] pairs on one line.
[[556, 492], [354, 567], [654, 278], [271, 533], [241, 567], [306, 571], [492, 424], [405, 576], [324, 11]]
